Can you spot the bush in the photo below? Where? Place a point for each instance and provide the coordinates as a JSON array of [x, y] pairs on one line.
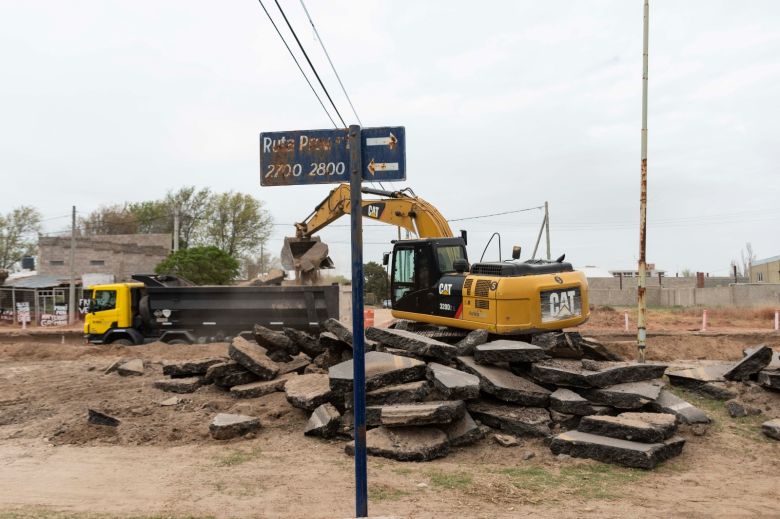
[[201, 265]]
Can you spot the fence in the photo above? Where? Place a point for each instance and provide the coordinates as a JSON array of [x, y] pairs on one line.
[[38, 306]]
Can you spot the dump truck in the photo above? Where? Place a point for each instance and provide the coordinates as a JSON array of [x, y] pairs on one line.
[[168, 309], [431, 279]]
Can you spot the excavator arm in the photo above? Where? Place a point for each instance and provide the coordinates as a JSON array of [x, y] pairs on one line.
[[399, 208]]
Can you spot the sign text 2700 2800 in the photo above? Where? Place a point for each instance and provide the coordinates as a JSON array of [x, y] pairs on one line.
[[295, 170]]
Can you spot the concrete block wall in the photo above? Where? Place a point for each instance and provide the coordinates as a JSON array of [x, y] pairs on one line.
[[121, 255], [743, 296]]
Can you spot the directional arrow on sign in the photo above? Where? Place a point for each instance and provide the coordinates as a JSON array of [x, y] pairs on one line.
[[373, 167], [390, 141]]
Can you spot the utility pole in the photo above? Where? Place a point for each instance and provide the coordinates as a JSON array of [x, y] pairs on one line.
[[72, 291], [262, 258], [547, 227], [641, 302], [175, 229]]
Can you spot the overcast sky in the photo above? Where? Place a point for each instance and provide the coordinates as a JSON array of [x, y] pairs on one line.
[[506, 105]]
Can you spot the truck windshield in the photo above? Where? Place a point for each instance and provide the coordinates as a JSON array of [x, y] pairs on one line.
[[447, 255], [104, 300]]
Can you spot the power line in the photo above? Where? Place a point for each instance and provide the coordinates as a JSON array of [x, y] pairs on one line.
[[298, 64], [300, 45], [495, 214], [332, 66]]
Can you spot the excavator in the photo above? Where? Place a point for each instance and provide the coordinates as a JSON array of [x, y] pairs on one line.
[[431, 279]]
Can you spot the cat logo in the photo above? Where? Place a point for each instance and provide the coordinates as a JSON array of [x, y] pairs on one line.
[[372, 211], [445, 289]]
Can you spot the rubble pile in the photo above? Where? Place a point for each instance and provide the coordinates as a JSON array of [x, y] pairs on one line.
[[425, 396]]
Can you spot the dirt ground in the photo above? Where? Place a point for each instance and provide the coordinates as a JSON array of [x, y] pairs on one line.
[[161, 461]]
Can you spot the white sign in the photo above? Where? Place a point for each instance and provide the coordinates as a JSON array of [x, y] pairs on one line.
[[58, 318], [23, 312]]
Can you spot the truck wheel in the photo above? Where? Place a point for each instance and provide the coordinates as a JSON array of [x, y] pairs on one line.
[[122, 342], [178, 341]]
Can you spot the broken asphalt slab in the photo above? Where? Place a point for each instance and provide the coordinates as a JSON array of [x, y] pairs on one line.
[[603, 374], [275, 341], [229, 374], [769, 379], [398, 394], [382, 369], [262, 388], [463, 431], [631, 395], [307, 343], [225, 426], [774, 364], [668, 402], [131, 368], [190, 368], [503, 350], [561, 372], [452, 383], [413, 343], [473, 339], [505, 385], [404, 443], [754, 362], [340, 331], [422, 413], [253, 359], [308, 391], [638, 427], [772, 428], [705, 380], [98, 418], [324, 421], [567, 401], [533, 421], [179, 385], [612, 450]]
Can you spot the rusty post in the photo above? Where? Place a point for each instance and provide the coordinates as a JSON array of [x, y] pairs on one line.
[[641, 302]]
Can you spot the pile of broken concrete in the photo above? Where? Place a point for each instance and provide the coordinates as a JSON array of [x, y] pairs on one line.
[[425, 396]]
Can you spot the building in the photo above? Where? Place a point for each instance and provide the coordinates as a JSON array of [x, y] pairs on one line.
[[117, 255], [765, 270], [651, 272]]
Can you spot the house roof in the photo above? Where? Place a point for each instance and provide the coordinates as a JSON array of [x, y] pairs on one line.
[[766, 260], [37, 281]]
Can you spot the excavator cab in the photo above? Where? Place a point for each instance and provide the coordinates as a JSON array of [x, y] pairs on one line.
[[428, 275]]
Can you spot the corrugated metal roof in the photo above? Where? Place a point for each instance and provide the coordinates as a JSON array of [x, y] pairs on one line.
[[37, 281], [766, 260]]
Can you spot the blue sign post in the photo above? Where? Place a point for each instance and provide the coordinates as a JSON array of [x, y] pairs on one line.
[[303, 157], [330, 157]]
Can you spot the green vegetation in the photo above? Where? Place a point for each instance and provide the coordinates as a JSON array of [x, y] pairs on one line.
[[450, 480], [378, 492], [201, 265], [377, 282], [237, 457], [589, 481]]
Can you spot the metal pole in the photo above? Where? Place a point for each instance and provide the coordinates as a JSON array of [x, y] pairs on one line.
[[641, 302], [547, 228], [72, 288], [175, 229], [539, 238], [358, 346], [14, 314]]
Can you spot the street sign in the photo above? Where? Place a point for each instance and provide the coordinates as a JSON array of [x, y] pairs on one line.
[[304, 157], [384, 154]]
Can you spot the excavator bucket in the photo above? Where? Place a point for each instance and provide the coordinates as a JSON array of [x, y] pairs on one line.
[[305, 254]]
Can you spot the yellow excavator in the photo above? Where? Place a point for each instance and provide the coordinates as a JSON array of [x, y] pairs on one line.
[[432, 281]]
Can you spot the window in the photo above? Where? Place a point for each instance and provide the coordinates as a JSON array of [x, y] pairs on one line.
[[403, 272], [56, 263], [104, 300], [447, 256], [759, 276], [97, 263]]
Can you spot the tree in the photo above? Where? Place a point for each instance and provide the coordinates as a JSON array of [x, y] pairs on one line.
[[748, 257], [236, 223], [151, 217], [18, 230], [192, 206], [201, 265], [109, 219], [377, 282]]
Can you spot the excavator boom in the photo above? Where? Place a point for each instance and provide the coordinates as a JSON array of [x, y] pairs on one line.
[[397, 208]]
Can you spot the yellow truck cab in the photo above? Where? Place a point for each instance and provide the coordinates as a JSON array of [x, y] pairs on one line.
[[113, 314]]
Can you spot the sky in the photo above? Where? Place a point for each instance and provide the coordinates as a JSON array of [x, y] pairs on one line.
[[506, 105]]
